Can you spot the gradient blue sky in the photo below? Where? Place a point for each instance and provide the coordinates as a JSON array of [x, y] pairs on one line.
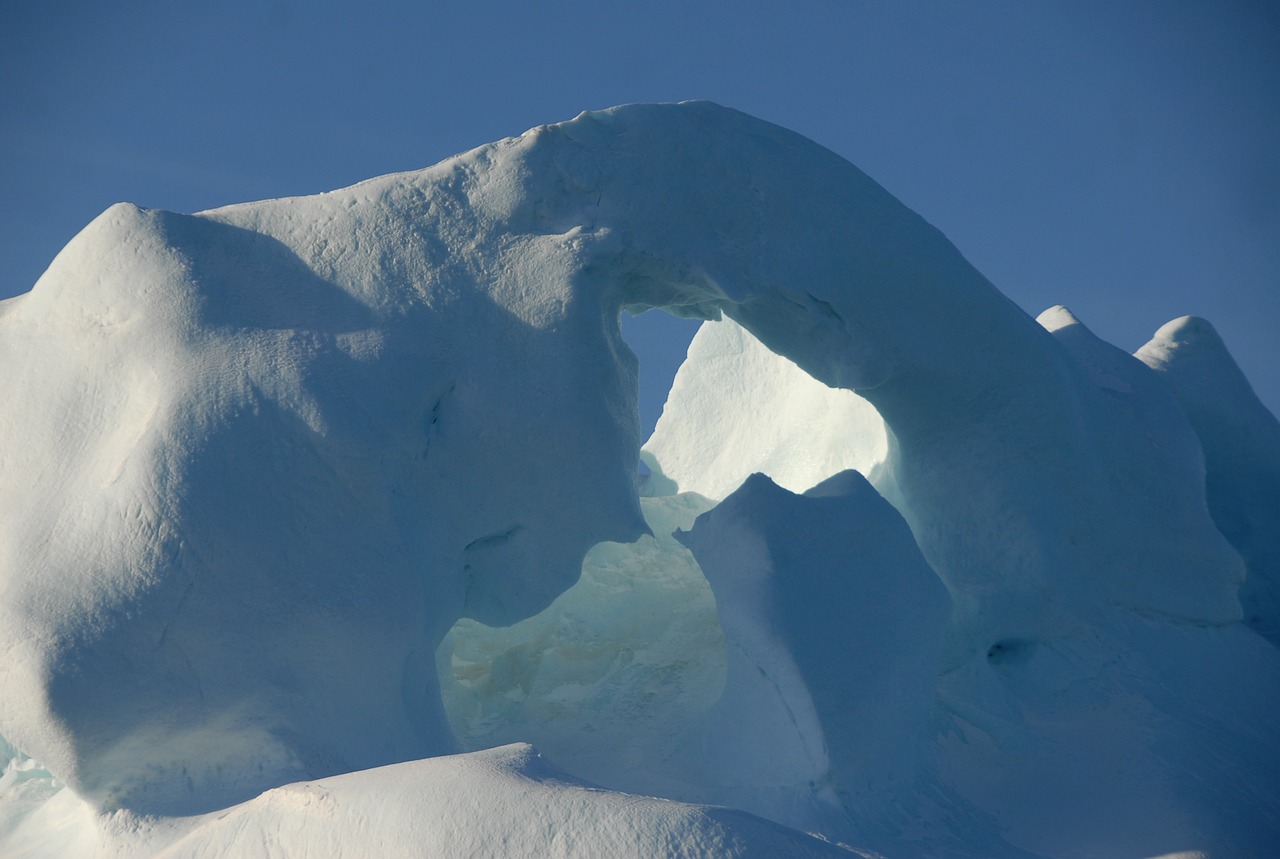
[[1120, 158]]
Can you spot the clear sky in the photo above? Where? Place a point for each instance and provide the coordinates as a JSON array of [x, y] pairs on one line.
[[1122, 158]]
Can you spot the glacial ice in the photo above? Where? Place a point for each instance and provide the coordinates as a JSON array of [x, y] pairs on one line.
[[1241, 442], [736, 408], [603, 679], [833, 624], [296, 494]]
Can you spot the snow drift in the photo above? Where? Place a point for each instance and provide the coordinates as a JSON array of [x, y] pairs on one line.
[[256, 463]]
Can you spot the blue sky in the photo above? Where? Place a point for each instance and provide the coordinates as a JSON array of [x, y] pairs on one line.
[[1119, 158]]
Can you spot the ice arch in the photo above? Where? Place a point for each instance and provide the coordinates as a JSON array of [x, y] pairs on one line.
[[256, 461], [1023, 479]]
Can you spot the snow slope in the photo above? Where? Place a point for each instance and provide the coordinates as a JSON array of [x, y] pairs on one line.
[[833, 624], [257, 463], [1241, 442], [506, 801]]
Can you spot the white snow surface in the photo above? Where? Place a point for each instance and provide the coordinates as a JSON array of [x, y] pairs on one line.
[[503, 802], [736, 408], [257, 463]]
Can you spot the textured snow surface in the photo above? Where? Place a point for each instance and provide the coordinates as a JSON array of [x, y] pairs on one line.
[[258, 464], [504, 802]]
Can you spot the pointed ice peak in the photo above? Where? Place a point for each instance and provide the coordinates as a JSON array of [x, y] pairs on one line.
[[798, 578], [1189, 331], [1193, 346], [1056, 317], [840, 485], [1241, 443]]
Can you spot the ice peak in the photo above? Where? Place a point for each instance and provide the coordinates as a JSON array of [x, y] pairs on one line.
[[1057, 317], [1189, 331]]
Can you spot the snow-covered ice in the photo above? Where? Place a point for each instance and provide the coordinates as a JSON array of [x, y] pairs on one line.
[[1241, 442], [833, 624], [297, 496], [506, 801]]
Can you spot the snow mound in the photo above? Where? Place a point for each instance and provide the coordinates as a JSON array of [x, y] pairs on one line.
[[506, 801], [468, 805], [238, 487], [1241, 441]]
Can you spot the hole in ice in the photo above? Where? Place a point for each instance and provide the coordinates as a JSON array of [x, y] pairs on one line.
[[609, 672], [660, 341], [1011, 651]]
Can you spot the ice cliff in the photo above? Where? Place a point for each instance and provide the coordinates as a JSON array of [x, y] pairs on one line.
[[257, 463]]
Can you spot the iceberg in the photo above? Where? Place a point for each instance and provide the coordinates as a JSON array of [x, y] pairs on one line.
[[298, 494]]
